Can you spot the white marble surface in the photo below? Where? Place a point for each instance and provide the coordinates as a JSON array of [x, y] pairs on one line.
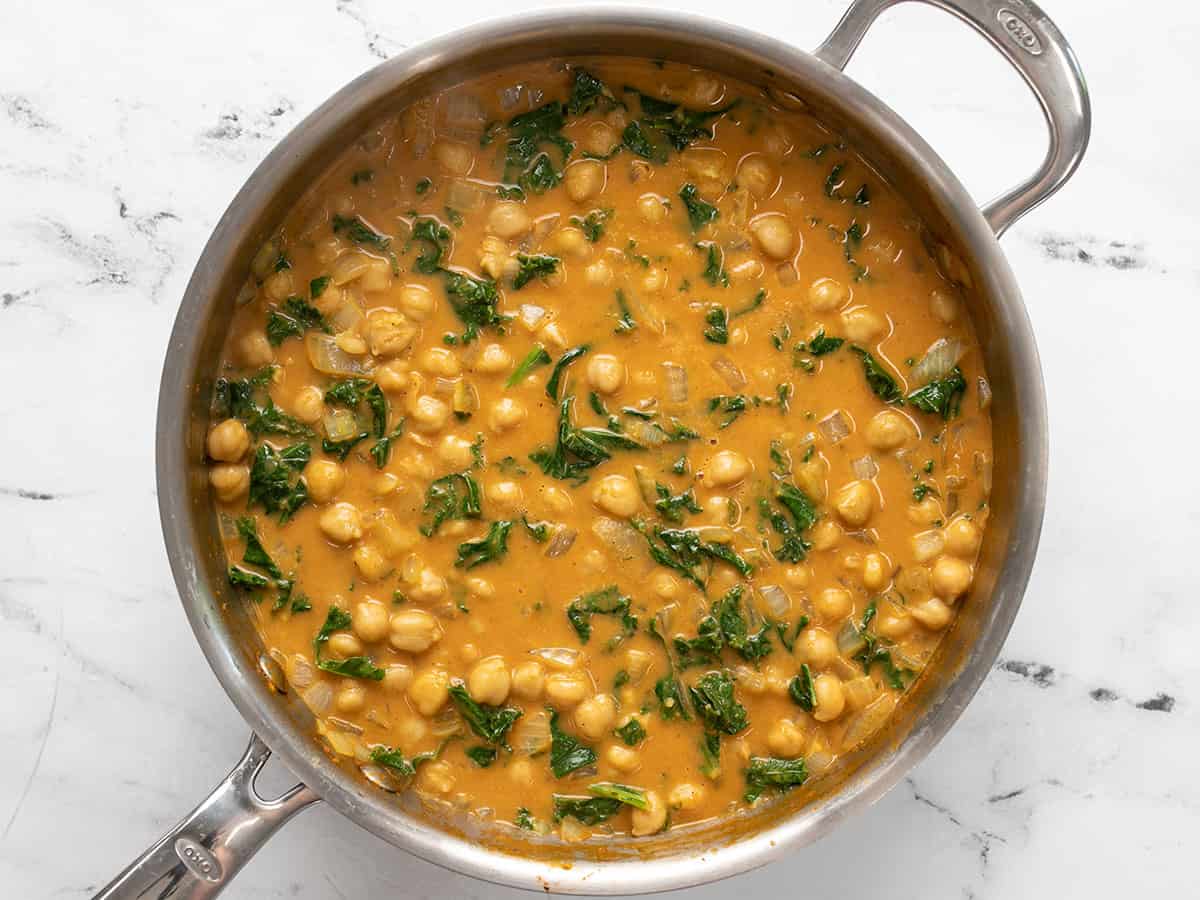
[[125, 128]]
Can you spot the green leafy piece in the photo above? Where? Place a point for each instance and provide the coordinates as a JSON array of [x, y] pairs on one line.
[[297, 316], [533, 359], [566, 753], [755, 302], [683, 550], [670, 698], [710, 755], [489, 548], [349, 393], [717, 320], [528, 132], [716, 704], [245, 580], [436, 237], [769, 772], [482, 756], [607, 601], [393, 759], [317, 286], [714, 268], [352, 667], [541, 176], [783, 396], [337, 619], [256, 554], [803, 516], [523, 819], [633, 256], [300, 603], [729, 405], [579, 449], [636, 141], [588, 810], [341, 449], [833, 181], [671, 507], [750, 645], [788, 635], [704, 649], [489, 722], [275, 481], [630, 796], [851, 241], [358, 231], [538, 265], [587, 92], [802, 508], [620, 679], [454, 216], [631, 733], [802, 690], [943, 397], [679, 125], [879, 380], [381, 450], [424, 185], [920, 491], [282, 263], [561, 366], [475, 302], [509, 466], [248, 399], [454, 496], [874, 651], [539, 531], [377, 403], [592, 225], [819, 344], [625, 321], [510, 192], [699, 212], [362, 176]]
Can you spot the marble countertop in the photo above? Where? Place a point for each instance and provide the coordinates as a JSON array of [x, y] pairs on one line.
[[126, 127]]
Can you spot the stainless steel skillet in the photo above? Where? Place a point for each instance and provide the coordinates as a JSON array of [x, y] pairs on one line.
[[201, 855]]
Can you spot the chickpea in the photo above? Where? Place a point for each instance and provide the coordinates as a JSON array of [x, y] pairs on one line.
[[963, 538], [369, 619], [652, 209], [934, 613], [411, 730], [773, 233], [521, 772], [951, 577], [686, 796], [489, 681], [552, 334], [862, 325], [655, 280], [388, 333], [392, 537], [436, 777], [397, 677], [623, 759], [825, 535], [324, 479], [605, 373], [617, 495], [278, 285], [429, 691], [309, 405], [392, 376], [926, 512], [508, 219], [455, 451], [353, 343], [876, 571], [944, 305], [665, 585], [428, 414], [566, 689], [598, 273], [584, 179], [888, 430], [506, 494], [480, 588], [417, 302], [855, 502], [831, 697], [229, 481], [893, 624], [757, 175], [798, 576], [413, 630], [727, 468], [786, 739], [455, 158], [599, 139], [827, 294], [228, 441], [528, 680], [595, 716], [570, 242], [558, 500], [816, 647], [440, 361], [350, 698], [372, 565], [253, 349], [652, 819], [429, 586], [637, 663], [343, 645], [493, 360], [833, 604], [506, 413], [342, 523]]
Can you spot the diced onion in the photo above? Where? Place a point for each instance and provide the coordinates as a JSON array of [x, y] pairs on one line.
[[863, 536], [328, 358], [572, 830], [983, 468], [461, 110], [511, 96], [247, 293], [647, 434], [834, 426], [677, 382], [380, 777], [446, 722], [941, 357], [819, 762], [344, 725], [340, 424], [865, 467], [559, 657], [928, 545], [860, 691], [299, 672], [645, 483], [531, 735], [728, 370], [343, 744], [951, 503], [867, 721], [620, 536], [563, 538], [985, 393], [265, 259], [464, 196], [444, 386], [228, 527], [346, 317], [849, 640], [271, 665], [776, 600], [349, 266], [531, 316], [787, 274], [543, 226], [318, 697]]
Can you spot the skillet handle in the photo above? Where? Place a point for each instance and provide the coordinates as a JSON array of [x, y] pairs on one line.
[[1033, 46], [197, 858]]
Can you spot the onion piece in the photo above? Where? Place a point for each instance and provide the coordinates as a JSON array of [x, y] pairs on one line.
[[867, 721], [928, 545], [462, 115], [776, 600], [543, 226], [511, 96], [939, 360], [985, 393], [983, 468], [298, 671], [620, 536], [446, 722], [677, 382], [344, 725], [318, 697], [328, 358], [865, 468], [834, 426], [464, 196], [787, 274], [247, 293], [819, 762], [271, 666], [340, 424], [849, 640], [647, 434], [228, 527], [863, 536], [531, 316], [346, 317], [559, 657], [531, 735], [645, 483], [350, 266], [563, 538], [381, 778], [728, 370]]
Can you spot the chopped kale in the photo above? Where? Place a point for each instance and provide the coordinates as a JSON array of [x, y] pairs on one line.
[[567, 754], [424, 185], [714, 268], [489, 548], [625, 321], [755, 302], [578, 449], [671, 507], [533, 266], [560, 367], [474, 301], [524, 159], [275, 482], [607, 601], [381, 450], [623, 793], [245, 580], [588, 92], [636, 141], [631, 733], [341, 449], [352, 667], [349, 393], [533, 359], [879, 380], [523, 819], [364, 235], [247, 399], [717, 320], [710, 755], [317, 286], [699, 212], [819, 344], [297, 316], [436, 237], [716, 704], [454, 496], [393, 759], [480, 755], [256, 554], [750, 645], [768, 771], [592, 225], [683, 550], [677, 124], [943, 397], [539, 531], [802, 691], [729, 405], [588, 810], [337, 619], [489, 722], [362, 176]]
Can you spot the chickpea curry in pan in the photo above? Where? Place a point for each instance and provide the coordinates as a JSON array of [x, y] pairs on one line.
[[599, 449]]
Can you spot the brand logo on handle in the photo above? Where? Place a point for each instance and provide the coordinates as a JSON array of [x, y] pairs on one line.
[[198, 859], [1019, 31]]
